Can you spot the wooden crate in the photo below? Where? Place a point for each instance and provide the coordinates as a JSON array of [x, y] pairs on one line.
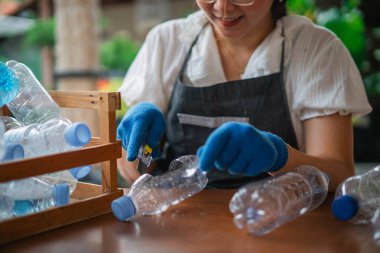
[[88, 200]]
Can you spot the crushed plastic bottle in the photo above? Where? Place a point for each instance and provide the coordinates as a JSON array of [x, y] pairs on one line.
[[9, 85], [358, 197], [264, 205], [31, 195], [153, 195], [33, 104]]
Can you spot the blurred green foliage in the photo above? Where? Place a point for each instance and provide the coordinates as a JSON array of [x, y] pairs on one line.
[[41, 34], [346, 22], [348, 25], [118, 52]]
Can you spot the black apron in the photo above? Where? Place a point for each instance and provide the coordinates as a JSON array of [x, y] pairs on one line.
[[194, 113]]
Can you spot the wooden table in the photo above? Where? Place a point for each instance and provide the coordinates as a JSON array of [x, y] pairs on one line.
[[201, 223]]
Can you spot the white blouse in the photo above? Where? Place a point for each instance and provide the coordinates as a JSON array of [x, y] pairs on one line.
[[320, 76]]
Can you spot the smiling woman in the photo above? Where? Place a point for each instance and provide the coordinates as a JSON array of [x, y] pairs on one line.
[[289, 86]]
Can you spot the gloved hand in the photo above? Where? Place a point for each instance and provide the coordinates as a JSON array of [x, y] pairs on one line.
[[242, 149], [143, 124]]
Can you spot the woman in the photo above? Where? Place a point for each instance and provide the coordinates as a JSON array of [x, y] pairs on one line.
[[260, 90]]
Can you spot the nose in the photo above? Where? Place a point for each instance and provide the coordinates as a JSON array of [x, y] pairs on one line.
[[224, 6]]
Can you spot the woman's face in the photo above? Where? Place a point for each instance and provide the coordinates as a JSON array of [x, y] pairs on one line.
[[233, 21]]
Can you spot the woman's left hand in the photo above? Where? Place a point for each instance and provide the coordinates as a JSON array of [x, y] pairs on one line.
[[242, 149]]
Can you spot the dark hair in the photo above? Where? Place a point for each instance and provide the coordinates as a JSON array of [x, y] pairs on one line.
[[278, 9]]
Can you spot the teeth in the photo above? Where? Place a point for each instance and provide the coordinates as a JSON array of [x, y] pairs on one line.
[[230, 19]]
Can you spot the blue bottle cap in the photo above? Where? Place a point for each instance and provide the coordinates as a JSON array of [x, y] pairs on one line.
[[345, 207], [22, 207], [77, 134], [13, 152], [123, 208], [61, 194], [81, 172]]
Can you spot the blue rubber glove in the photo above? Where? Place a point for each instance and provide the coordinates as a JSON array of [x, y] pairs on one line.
[[242, 149], [143, 124]]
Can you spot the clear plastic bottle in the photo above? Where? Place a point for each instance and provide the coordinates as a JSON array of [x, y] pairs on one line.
[[153, 195], [264, 205], [358, 197], [31, 195], [8, 85], [33, 103], [375, 221], [9, 151], [54, 136]]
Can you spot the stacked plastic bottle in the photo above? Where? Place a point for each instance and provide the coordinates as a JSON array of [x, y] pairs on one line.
[[264, 205], [153, 195], [31, 195], [32, 105], [358, 197], [8, 90], [43, 131], [9, 151], [8, 85]]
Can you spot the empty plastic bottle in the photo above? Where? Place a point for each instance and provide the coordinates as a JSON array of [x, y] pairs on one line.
[[8, 85], [358, 197], [152, 195], [375, 221], [9, 151], [264, 205], [31, 195], [33, 104], [54, 136]]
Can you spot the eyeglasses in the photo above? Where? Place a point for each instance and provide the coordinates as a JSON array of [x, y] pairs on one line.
[[236, 2]]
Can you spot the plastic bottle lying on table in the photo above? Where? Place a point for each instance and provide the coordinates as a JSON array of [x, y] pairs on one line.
[[153, 195], [264, 205], [358, 197]]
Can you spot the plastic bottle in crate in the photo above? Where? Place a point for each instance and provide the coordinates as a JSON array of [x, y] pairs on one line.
[[358, 197], [8, 85], [32, 195], [53, 136], [9, 151], [152, 195], [33, 104], [264, 205]]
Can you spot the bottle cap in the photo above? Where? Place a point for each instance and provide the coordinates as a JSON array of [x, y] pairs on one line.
[[345, 207], [13, 152], [81, 172], [123, 208], [77, 134], [61, 194]]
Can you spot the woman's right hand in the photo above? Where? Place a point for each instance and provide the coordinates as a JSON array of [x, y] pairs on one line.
[[143, 124]]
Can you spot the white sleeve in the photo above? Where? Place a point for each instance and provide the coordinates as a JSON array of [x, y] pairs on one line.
[[152, 75], [324, 79]]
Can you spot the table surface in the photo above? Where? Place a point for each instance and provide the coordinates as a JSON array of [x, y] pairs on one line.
[[201, 223]]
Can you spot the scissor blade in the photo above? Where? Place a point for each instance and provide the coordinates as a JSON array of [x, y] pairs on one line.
[[141, 167]]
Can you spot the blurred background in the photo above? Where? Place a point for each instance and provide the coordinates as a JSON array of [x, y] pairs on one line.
[[89, 45]]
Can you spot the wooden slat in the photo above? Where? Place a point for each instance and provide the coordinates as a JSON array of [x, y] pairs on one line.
[[86, 190], [22, 227], [76, 99], [47, 164]]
